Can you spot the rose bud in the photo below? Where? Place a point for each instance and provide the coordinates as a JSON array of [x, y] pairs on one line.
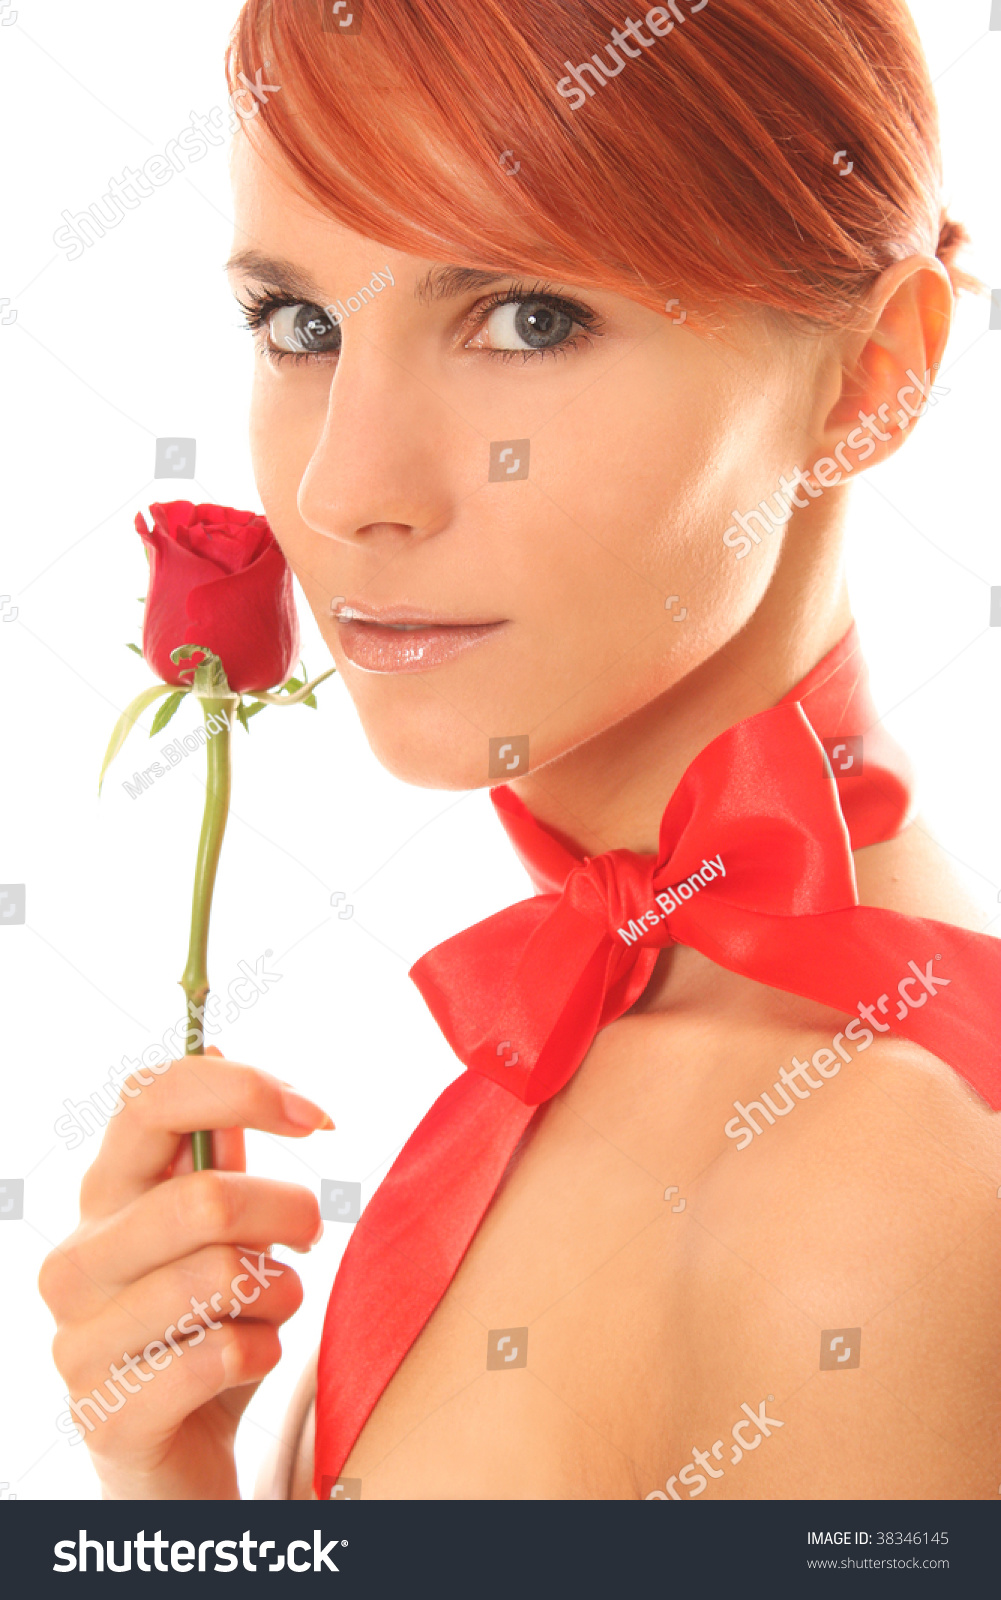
[[217, 578]]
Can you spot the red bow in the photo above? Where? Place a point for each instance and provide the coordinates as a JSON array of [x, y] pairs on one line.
[[753, 827], [754, 870]]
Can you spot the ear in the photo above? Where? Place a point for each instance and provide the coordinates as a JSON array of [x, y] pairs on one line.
[[888, 366]]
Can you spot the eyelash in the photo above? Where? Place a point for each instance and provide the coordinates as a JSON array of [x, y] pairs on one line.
[[258, 309], [261, 304], [590, 322]]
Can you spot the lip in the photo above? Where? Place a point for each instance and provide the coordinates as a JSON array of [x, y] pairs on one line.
[[405, 639]]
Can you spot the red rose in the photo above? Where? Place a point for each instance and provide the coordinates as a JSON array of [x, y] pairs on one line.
[[218, 578]]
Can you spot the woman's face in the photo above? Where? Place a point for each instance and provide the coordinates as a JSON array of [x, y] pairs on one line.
[[501, 497]]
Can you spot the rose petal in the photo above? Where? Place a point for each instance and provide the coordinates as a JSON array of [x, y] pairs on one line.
[[218, 578]]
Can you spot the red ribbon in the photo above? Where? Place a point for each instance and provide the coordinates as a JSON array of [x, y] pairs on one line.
[[754, 869]]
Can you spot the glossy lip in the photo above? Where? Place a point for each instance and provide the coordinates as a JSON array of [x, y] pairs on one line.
[[404, 616], [404, 639]]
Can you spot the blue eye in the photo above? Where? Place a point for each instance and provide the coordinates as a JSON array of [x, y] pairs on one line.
[[529, 325], [524, 321], [293, 329], [302, 330], [519, 321]]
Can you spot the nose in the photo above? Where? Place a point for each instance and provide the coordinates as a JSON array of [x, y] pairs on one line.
[[379, 474]]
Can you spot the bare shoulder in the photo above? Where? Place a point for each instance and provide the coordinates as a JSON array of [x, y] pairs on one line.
[[849, 1269], [831, 1267]]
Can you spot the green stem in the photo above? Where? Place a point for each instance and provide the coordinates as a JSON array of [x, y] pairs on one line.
[[195, 980]]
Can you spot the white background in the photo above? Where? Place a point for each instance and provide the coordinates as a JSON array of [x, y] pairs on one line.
[[140, 338]]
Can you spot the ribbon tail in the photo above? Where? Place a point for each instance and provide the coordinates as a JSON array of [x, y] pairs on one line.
[[929, 981], [404, 1252]]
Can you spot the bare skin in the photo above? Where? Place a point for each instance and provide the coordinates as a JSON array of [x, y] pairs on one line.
[[872, 1205]]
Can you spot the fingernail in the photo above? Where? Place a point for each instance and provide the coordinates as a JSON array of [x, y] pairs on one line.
[[303, 1112], [304, 1249]]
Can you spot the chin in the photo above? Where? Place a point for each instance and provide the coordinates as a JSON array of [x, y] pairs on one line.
[[428, 751]]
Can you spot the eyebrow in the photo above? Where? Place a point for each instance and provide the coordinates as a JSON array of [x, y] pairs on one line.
[[284, 275], [447, 283], [439, 283]]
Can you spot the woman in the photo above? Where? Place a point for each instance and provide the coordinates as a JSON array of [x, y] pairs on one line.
[[573, 330]]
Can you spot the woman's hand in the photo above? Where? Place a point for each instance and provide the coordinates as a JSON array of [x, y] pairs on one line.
[[175, 1263]]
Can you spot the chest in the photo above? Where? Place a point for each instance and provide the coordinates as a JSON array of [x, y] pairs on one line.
[[547, 1369]]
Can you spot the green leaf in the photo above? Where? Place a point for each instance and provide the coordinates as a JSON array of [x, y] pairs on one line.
[[291, 685], [245, 712], [166, 711], [134, 647], [127, 721]]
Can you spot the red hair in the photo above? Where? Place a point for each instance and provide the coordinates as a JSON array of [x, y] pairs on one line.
[[705, 169]]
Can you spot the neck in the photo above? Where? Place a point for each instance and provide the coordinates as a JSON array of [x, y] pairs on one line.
[[610, 792]]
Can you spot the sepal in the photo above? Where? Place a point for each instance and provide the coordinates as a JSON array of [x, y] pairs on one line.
[[244, 714], [127, 721], [303, 694], [167, 710], [209, 681]]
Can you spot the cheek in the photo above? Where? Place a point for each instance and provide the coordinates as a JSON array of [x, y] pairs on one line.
[[658, 471], [638, 497]]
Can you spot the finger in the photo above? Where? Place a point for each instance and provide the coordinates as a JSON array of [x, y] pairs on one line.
[[196, 1092], [183, 1215], [218, 1284], [117, 1422], [229, 1150]]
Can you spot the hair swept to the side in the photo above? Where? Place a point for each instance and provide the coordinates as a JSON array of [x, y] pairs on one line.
[[707, 168]]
